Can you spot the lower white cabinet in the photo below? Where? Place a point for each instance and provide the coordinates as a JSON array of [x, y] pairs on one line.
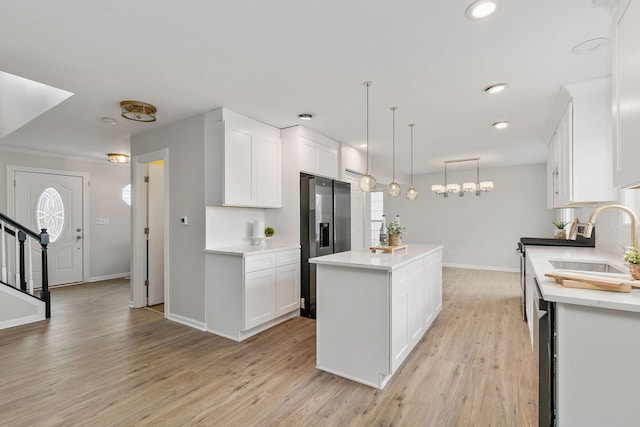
[[248, 293]]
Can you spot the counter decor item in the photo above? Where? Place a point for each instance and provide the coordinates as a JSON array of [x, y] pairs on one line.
[[559, 232], [269, 232], [632, 256], [396, 231]]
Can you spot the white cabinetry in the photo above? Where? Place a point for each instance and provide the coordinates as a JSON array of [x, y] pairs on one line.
[[245, 156], [319, 155], [370, 319], [579, 156], [249, 293], [626, 91]]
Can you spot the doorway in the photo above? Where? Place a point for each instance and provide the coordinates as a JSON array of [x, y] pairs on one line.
[[57, 201], [150, 242]]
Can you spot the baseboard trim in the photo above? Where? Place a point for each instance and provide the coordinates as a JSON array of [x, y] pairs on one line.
[[482, 267], [186, 321], [22, 321], [109, 277]]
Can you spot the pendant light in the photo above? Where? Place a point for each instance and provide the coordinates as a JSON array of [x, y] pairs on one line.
[[368, 182], [412, 193], [394, 189]]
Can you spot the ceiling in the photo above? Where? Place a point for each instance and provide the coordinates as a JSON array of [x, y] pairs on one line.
[[274, 60]]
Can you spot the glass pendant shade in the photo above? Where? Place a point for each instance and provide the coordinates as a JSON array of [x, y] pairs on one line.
[[486, 185], [468, 187], [453, 188], [394, 189], [368, 182], [412, 193]]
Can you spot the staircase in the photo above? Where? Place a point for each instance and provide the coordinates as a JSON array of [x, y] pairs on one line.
[[19, 303]]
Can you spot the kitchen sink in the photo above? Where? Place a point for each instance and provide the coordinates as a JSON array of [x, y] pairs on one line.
[[598, 267]]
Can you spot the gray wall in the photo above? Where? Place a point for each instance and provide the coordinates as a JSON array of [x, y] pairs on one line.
[[185, 141], [109, 253], [478, 232]]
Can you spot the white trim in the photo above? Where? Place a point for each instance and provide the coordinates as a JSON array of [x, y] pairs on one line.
[[56, 155], [22, 321], [12, 169], [138, 223], [201, 326], [483, 267], [108, 277]]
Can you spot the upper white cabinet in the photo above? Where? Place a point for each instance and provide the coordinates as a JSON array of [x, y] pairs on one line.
[[626, 91], [579, 165], [245, 155], [319, 155]]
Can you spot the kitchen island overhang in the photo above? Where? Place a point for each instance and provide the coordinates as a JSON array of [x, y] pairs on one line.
[[374, 308]]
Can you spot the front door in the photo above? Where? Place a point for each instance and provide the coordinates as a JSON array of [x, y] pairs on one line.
[[53, 201]]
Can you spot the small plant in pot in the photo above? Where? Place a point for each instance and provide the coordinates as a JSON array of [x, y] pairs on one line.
[[632, 256], [559, 232], [396, 231], [269, 232]]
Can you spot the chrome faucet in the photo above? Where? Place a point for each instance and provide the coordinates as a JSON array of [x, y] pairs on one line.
[[632, 215]]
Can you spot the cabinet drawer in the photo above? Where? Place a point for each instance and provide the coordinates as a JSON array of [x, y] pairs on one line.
[[290, 256], [259, 262]]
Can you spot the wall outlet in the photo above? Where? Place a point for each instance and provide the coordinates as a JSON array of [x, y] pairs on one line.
[[102, 221]]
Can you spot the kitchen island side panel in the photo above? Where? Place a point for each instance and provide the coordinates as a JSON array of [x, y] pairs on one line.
[[353, 323]]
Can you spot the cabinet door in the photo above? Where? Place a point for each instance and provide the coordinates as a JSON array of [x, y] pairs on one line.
[[626, 89], [416, 301], [400, 305], [238, 171], [287, 288], [267, 167], [259, 297], [433, 280], [318, 159], [564, 147]]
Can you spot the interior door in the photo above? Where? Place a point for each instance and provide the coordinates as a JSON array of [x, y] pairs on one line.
[[54, 202], [155, 237]]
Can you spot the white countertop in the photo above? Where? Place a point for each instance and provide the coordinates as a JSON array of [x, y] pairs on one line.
[[252, 249], [363, 258], [552, 291]]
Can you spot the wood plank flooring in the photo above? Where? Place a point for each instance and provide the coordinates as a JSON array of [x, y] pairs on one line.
[[99, 363]]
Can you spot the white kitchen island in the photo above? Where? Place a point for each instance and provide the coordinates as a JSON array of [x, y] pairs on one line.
[[373, 308]]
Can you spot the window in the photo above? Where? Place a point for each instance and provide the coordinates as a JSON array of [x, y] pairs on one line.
[[50, 213], [377, 209], [126, 194]]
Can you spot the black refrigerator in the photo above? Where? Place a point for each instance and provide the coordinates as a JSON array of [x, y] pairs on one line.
[[325, 228]]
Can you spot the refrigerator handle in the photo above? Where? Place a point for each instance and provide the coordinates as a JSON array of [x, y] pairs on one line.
[[324, 234]]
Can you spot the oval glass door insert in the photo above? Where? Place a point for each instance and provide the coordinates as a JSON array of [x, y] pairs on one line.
[[50, 213]]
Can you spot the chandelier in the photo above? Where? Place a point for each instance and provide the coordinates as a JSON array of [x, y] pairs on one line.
[[468, 187]]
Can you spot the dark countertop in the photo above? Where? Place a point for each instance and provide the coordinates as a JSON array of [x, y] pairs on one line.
[[537, 241]]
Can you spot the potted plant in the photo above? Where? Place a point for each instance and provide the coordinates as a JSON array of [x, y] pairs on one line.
[[632, 256], [559, 232], [269, 232], [396, 231]]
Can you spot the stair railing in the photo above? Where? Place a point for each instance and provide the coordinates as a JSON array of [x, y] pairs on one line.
[[23, 282]]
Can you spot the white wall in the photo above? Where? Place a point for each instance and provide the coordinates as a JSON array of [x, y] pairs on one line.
[[186, 166], [109, 254], [479, 231]]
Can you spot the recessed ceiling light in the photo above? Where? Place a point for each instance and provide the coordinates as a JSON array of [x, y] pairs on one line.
[[496, 88], [590, 46], [500, 125], [482, 9], [305, 116], [108, 121]]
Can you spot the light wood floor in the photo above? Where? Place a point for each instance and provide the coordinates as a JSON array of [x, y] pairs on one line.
[[99, 363]]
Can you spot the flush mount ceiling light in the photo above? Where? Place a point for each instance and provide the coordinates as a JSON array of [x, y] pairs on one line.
[[499, 87], [500, 125], [368, 182], [118, 158], [478, 187], [590, 46], [482, 9], [393, 189], [138, 111], [305, 116]]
